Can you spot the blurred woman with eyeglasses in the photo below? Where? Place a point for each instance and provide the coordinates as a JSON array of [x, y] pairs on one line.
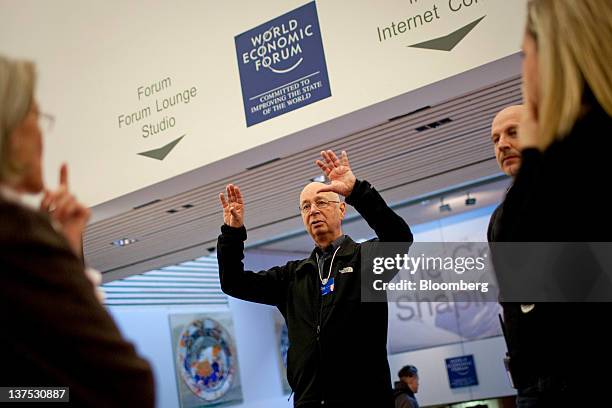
[[55, 332]]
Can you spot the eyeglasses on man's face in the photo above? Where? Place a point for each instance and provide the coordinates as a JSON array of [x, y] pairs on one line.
[[320, 203]]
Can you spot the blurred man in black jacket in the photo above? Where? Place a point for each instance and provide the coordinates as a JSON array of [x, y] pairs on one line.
[[520, 320]]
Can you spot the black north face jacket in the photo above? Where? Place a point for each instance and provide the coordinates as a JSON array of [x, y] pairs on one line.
[[337, 355]]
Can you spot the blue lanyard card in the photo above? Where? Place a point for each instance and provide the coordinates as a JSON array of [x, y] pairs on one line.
[[328, 287]]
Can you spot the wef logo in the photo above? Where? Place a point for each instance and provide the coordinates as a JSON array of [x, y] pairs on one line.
[[282, 65]]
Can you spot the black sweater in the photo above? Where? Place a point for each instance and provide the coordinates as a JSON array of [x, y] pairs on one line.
[[337, 351], [54, 330]]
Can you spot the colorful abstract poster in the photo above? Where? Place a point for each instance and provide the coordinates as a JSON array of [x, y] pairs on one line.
[[205, 359]]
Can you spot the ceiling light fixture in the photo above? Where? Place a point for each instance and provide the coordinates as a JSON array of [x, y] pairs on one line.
[[470, 200], [123, 242], [444, 207]]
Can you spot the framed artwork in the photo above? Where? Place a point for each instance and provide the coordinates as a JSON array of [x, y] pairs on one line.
[[206, 363], [282, 338]]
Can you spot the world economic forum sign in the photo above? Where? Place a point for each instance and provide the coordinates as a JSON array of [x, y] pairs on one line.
[[461, 371], [282, 65]]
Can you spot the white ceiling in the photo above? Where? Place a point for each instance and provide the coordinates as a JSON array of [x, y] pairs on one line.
[[402, 157]]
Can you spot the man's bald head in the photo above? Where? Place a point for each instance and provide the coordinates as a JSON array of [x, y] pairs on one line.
[[324, 214], [514, 112], [311, 190], [504, 135]]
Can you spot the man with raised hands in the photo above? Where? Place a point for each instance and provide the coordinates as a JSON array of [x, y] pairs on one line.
[[337, 355]]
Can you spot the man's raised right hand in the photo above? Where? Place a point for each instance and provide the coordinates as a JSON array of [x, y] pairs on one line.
[[233, 206]]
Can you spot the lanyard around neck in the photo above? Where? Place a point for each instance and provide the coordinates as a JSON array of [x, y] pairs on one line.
[[331, 264]]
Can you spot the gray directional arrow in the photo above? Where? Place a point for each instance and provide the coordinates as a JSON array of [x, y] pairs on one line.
[[162, 152], [448, 42]]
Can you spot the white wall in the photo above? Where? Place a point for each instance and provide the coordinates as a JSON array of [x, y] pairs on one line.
[[433, 378], [149, 329], [488, 353], [256, 343]]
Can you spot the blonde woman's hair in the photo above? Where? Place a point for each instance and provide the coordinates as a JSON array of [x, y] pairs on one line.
[[574, 40], [17, 81]]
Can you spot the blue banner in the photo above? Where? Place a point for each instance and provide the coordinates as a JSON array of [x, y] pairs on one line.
[[461, 371], [282, 65]]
